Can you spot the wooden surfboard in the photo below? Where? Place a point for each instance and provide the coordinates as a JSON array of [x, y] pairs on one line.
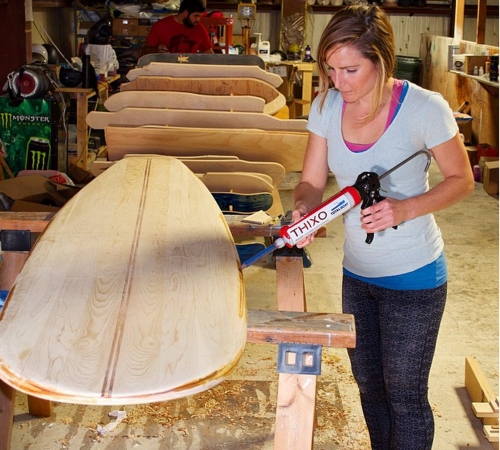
[[208, 86], [205, 71], [202, 58], [99, 120], [287, 149], [215, 163], [131, 295], [184, 100]]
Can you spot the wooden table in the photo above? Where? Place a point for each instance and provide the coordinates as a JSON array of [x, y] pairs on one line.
[[82, 96], [296, 402]]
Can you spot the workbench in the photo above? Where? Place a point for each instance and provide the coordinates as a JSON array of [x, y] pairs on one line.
[[302, 106], [291, 327]]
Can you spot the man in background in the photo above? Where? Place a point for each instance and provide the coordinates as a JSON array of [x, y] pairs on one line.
[[180, 33]]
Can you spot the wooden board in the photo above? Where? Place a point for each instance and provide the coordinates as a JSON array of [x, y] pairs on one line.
[[184, 100], [273, 170], [244, 182], [205, 71], [207, 86], [202, 58], [215, 163], [127, 297], [275, 100], [99, 120], [283, 148]]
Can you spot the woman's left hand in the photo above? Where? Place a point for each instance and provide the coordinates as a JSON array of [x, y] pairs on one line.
[[385, 214]]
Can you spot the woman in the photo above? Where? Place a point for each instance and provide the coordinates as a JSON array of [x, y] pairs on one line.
[[365, 120]]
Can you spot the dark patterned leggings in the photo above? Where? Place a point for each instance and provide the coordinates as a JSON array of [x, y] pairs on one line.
[[396, 337]]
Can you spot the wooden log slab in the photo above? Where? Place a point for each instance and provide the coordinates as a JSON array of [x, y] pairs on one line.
[[205, 71], [184, 100], [283, 148], [147, 303], [202, 58], [99, 120]]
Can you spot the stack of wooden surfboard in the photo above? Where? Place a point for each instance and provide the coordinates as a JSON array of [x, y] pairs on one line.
[[201, 109]]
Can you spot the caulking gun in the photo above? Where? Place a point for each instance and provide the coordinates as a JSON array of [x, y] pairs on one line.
[[366, 190]]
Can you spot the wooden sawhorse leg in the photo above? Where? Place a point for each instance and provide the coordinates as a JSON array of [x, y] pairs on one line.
[[296, 399], [296, 404], [13, 262]]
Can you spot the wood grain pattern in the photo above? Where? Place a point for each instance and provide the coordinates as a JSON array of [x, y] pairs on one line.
[[184, 100], [99, 120], [205, 71], [286, 149], [128, 296]]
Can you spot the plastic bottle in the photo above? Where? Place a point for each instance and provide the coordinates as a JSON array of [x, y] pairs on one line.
[[307, 54], [476, 71], [494, 68], [477, 173]]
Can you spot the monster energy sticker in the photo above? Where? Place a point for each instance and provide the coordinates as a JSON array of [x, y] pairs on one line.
[[38, 154], [27, 134]]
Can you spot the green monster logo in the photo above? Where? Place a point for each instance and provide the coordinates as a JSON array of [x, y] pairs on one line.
[[6, 120], [37, 154]]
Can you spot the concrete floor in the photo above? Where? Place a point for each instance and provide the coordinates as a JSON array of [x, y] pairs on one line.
[[239, 413]]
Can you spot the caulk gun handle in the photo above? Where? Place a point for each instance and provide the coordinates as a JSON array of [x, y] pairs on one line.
[[378, 198]]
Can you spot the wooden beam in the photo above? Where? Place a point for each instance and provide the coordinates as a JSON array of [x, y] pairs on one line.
[[326, 329], [481, 21], [459, 19]]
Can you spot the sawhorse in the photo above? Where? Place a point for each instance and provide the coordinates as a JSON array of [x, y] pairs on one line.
[[299, 334]]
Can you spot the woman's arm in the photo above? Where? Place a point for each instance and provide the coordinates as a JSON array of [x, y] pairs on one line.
[[451, 158], [309, 192]]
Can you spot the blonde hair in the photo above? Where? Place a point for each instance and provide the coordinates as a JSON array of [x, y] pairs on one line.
[[367, 29]]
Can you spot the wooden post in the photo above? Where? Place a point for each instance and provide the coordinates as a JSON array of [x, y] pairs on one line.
[[13, 262], [459, 19], [290, 283], [481, 21], [7, 395], [296, 403]]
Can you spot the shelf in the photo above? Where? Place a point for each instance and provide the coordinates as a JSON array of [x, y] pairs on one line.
[[490, 86], [480, 79], [52, 3]]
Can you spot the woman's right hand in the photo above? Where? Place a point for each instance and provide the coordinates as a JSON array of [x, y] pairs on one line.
[[296, 215]]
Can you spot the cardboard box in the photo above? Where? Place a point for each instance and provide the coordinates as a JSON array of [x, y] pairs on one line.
[[459, 62], [472, 61], [144, 30], [490, 177], [125, 27], [464, 122]]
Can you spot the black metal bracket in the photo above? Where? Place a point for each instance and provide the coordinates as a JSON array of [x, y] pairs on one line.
[[15, 240], [302, 359]]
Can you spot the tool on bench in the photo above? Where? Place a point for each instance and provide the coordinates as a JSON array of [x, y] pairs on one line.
[[366, 190]]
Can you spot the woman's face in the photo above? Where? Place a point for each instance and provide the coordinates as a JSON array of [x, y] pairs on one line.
[[354, 76]]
